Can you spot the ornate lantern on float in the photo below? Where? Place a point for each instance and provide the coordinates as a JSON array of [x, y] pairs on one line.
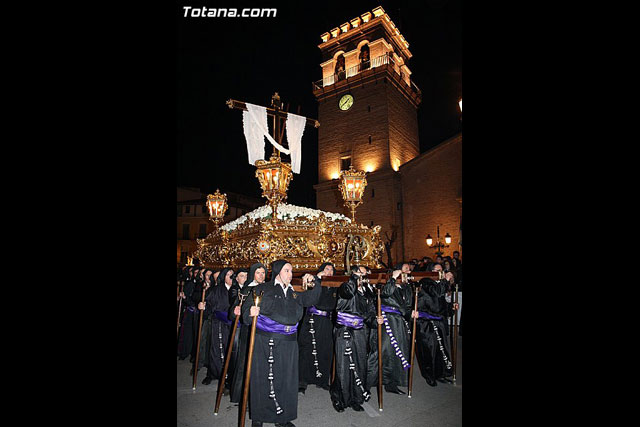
[[217, 205], [352, 184], [274, 177]]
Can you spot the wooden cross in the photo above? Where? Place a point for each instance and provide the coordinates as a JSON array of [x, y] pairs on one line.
[[277, 113]]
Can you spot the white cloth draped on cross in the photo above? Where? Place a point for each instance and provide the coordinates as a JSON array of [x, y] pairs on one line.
[[256, 129]]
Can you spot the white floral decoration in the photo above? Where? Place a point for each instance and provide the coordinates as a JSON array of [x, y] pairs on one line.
[[285, 211]]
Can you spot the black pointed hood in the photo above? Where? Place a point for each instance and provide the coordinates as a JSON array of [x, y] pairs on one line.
[[324, 264], [204, 273], [253, 269], [220, 279], [276, 266]]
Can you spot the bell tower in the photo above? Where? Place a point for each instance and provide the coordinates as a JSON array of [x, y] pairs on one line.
[[367, 107]]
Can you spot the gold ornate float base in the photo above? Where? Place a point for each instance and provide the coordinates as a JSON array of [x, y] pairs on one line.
[[306, 242]]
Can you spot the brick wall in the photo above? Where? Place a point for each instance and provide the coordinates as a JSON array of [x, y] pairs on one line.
[[431, 190], [403, 128]]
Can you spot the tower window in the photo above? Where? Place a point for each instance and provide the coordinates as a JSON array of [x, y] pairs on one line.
[[369, 139], [373, 192], [364, 58], [345, 163], [369, 108], [340, 68]]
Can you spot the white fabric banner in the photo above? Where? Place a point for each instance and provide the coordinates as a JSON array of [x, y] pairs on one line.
[[295, 129], [252, 131], [255, 130]]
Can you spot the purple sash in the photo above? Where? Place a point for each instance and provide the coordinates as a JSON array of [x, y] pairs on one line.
[[350, 320], [388, 309], [314, 310], [223, 316], [269, 325], [425, 315]]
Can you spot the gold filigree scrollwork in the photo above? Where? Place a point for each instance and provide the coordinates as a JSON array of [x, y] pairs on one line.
[[306, 241]]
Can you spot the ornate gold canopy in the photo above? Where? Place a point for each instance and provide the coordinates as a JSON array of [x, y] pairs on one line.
[[305, 237]]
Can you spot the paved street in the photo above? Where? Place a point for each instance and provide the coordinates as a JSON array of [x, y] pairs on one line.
[[438, 406]]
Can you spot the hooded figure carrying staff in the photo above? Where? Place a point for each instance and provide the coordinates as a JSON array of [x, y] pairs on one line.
[[396, 304], [218, 301], [204, 281], [274, 371], [186, 341], [256, 276], [433, 350], [315, 338], [353, 312]]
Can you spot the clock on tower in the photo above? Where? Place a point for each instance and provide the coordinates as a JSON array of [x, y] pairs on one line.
[[346, 102]]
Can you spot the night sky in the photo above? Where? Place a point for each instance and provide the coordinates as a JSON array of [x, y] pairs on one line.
[[248, 59]]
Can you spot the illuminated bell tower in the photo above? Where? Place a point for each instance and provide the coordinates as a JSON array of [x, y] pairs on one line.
[[367, 107]]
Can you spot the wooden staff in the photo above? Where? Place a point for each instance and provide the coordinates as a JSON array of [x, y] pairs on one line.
[[180, 284], [195, 370], [379, 353], [413, 341], [454, 353], [333, 367], [226, 362], [247, 377]]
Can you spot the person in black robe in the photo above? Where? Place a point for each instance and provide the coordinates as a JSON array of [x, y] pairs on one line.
[[315, 337], [274, 370], [433, 349], [239, 281], [396, 302], [258, 272], [195, 299], [218, 301], [186, 346], [205, 333], [353, 311], [371, 297]]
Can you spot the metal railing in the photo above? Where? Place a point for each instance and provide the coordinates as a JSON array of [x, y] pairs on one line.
[[378, 61]]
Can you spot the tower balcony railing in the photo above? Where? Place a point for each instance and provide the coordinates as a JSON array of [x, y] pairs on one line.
[[376, 62]]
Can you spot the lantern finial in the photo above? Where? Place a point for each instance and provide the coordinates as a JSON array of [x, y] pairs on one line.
[[217, 205], [352, 185]]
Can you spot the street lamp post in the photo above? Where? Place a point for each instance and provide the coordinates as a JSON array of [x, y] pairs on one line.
[[438, 245]]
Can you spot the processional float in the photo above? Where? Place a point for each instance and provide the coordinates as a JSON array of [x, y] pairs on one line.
[[305, 237]]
